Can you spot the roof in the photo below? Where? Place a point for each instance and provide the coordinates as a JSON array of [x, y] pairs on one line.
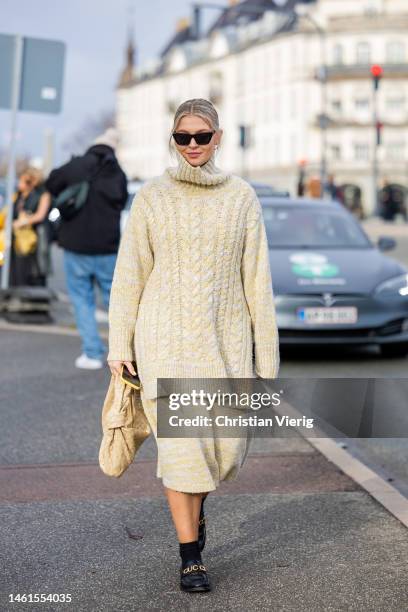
[[228, 22], [232, 16], [241, 12], [182, 36]]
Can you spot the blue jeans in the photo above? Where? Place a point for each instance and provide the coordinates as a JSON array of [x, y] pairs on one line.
[[81, 271]]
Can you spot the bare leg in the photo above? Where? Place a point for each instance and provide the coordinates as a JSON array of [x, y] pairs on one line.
[[185, 511]]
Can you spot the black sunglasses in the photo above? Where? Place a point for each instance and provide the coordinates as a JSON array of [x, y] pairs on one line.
[[203, 138]]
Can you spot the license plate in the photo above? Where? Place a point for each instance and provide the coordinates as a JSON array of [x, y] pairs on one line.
[[340, 315]]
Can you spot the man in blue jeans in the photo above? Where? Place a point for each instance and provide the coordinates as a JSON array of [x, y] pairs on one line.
[[91, 239]]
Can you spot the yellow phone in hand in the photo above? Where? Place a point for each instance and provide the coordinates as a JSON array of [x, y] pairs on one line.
[[130, 379]]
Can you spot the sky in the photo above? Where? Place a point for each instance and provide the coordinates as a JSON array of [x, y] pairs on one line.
[[95, 34]]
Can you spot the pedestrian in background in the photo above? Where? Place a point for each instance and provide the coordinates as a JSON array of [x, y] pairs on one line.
[[90, 239], [332, 188], [388, 209], [301, 183], [191, 296], [31, 205]]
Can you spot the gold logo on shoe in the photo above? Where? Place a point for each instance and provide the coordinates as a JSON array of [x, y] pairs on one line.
[[194, 568]]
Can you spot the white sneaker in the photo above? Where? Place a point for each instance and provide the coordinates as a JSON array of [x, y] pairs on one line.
[[88, 363]]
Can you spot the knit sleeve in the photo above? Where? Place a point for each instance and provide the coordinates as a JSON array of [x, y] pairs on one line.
[[133, 266], [257, 284]]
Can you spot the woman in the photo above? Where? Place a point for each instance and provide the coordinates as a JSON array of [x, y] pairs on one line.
[[31, 207], [191, 293]]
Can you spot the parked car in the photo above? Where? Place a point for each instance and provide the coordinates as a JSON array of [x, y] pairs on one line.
[[264, 190], [331, 283]]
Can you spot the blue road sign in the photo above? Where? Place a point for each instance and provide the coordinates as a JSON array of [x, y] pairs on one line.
[[41, 83], [7, 46], [42, 74]]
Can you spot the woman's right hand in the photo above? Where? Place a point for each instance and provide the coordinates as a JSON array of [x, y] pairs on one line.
[[116, 367]]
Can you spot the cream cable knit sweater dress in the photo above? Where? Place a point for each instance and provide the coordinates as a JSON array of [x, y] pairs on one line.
[[191, 293]]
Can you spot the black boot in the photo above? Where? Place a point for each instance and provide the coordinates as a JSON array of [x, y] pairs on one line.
[[202, 532]]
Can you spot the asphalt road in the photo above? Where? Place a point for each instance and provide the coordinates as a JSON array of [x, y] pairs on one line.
[[292, 533]]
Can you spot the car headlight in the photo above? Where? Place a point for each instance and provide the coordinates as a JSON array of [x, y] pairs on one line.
[[397, 284]]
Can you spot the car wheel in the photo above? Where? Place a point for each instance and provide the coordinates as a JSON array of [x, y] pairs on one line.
[[395, 350]]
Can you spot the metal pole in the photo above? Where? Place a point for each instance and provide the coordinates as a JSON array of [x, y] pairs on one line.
[[197, 21], [323, 115], [323, 162], [375, 155], [49, 150], [11, 172]]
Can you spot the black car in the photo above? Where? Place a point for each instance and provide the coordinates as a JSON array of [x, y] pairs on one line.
[[332, 285]]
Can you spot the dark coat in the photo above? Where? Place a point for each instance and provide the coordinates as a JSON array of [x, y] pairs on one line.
[[95, 230]]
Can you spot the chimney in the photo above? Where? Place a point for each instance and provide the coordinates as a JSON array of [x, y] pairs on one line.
[[182, 24]]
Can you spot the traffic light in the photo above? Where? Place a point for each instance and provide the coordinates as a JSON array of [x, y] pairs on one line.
[[379, 126], [376, 72], [244, 136]]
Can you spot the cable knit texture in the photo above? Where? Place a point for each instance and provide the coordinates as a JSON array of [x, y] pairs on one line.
[[192, 288]]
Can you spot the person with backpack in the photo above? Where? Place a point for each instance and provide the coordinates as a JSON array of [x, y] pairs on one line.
[[90, 233]]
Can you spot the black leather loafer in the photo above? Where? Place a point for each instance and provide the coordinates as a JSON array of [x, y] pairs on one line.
[[193, 577], [201, 528]]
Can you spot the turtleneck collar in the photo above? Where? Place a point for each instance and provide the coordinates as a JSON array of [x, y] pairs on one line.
[[207, 174]]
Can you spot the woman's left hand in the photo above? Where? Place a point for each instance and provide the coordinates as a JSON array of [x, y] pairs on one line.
[[21, 221], [17, 224]]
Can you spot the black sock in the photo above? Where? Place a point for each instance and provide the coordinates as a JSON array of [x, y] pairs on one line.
[[190, 551], [202, 503]]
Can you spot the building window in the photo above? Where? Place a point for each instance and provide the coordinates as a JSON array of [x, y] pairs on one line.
[[335, 151], [361, 151], [395, 52], [363, 52], [338, 54], [362, 104], [395, 103], [336, 106], [395, 151]]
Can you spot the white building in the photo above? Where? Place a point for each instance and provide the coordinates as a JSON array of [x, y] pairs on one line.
[[262, 70]]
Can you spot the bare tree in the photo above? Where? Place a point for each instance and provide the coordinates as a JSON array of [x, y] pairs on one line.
[[22, 163], [91, 127]]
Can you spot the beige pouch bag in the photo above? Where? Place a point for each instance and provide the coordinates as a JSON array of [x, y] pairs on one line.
[[124, 425]]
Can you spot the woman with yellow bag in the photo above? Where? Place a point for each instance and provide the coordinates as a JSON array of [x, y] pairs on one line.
[[30, 256]]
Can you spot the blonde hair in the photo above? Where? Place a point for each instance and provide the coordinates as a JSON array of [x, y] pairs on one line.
[[35, 176], [201, 108]]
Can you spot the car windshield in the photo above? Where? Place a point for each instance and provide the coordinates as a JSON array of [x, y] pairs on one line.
[[295, 227]]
